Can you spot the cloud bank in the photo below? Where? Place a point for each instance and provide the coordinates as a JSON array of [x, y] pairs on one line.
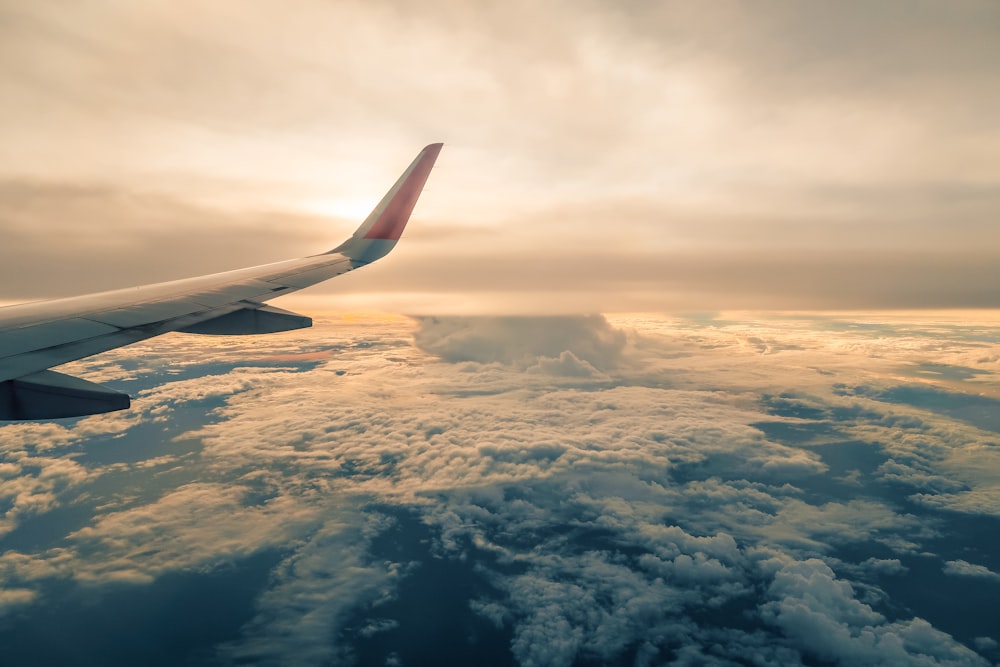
[[713, 489]]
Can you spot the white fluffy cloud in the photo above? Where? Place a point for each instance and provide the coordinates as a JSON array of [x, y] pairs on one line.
[[818, 611], [961, 568]]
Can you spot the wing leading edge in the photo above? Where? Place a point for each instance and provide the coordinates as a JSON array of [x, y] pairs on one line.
[[34, 337]]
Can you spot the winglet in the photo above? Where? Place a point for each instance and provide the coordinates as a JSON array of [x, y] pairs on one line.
[[380, 231]]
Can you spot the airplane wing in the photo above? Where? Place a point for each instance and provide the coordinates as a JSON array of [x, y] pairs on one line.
[[37, 336]]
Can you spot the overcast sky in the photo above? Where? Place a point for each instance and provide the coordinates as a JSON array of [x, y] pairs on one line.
[[600, 156]]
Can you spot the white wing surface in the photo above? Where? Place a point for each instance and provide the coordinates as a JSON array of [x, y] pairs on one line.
[[36, 336]]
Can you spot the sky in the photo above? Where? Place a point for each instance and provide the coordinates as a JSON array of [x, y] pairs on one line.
[[599, 156]]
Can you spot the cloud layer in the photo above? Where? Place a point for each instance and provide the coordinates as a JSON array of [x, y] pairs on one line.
[[716, 489]]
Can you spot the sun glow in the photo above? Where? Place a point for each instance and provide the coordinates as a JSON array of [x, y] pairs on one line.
[[341, 208]]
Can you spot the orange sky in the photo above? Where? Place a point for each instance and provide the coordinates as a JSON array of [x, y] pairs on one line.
[[600, 156]]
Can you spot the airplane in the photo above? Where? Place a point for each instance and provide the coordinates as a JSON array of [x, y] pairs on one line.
[[36, 336]]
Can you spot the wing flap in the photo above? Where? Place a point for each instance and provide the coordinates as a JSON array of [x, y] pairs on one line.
[[254, 319], [51, 395]]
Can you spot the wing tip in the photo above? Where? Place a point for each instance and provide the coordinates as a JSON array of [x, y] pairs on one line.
[[389, 218], [384, 225], [431, 150]]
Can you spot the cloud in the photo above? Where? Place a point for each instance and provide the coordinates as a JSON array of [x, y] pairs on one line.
[[817, 610], [639, 507], [885, 566], [13, 598], [198, 526], [314, 589], [34, 485], [567, 364], [961, 568], [986, 643], [570, 345]]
